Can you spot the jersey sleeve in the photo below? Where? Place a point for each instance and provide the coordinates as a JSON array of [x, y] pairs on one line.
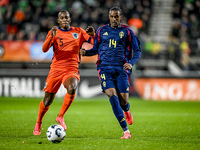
[[94, 50], [48, 42], [87, 37], [135, 46]]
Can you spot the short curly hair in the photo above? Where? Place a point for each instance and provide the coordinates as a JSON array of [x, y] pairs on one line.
[[63, 11], [116, 8]]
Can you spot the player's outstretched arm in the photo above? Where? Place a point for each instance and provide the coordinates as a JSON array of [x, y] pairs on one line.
[[47, 43], [90, 52]]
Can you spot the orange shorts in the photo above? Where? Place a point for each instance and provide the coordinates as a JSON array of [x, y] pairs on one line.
[[56, 77]]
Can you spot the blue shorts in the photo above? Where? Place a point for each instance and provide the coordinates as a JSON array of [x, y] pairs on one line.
[[114, 77]]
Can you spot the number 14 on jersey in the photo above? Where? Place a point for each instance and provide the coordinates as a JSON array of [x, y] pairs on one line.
[[112, 42]]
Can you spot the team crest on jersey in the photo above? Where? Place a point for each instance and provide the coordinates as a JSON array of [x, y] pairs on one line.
[[104, 83], [121, 34], [75, 35]]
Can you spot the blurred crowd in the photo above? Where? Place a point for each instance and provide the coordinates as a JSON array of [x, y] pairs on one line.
[[31, 20], [185, 34], [183, 44]]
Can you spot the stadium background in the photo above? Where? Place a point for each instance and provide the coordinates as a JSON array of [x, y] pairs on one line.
[[168, 29]]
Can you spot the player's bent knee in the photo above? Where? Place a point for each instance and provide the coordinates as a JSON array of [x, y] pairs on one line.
[[111, 92], [71, 89], [110, 95], [47, 102], [48, 98]]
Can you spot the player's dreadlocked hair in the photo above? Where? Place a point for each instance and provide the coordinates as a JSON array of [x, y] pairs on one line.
[[116, 8]]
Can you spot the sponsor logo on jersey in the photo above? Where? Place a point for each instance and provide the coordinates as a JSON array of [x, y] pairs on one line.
[[75, 35], [121, 34], [106, 33]]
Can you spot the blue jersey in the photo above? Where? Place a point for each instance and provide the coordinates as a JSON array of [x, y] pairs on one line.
[[115, 47]]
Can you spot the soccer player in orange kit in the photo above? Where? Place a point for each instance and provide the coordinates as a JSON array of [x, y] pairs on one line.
[[66, 42]]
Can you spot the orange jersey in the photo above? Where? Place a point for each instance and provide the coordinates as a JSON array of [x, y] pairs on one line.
[[66, 45]]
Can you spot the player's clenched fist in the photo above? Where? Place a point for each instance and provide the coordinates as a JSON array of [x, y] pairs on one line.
[[82, 51], [127, 66], [90, 30], [54, 31]]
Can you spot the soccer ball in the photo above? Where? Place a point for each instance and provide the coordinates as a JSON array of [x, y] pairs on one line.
[[55, 133]]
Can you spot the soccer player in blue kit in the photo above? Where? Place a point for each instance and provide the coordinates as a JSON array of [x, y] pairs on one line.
[[118, 50]]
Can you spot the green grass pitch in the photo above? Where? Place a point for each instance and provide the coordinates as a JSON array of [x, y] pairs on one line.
[[93, 126]]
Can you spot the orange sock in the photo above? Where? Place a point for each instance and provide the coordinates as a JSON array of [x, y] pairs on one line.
[[42, 111], [68, 99]]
